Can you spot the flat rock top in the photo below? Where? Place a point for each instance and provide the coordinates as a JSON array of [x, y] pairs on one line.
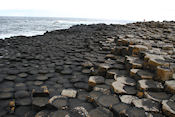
[[82, 71]]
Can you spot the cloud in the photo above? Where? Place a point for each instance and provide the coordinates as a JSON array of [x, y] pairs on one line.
[[109, 9]]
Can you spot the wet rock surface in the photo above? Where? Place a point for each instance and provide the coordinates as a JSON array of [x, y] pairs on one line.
[[90, 71]]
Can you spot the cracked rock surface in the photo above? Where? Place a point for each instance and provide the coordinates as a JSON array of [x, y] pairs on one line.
[[90, 71]]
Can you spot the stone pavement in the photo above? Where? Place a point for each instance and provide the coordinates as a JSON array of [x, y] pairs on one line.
[[90, 71]]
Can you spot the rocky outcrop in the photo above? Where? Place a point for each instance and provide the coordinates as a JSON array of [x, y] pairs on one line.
[[90, 71]]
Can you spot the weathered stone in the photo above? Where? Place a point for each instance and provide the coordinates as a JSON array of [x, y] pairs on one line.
[[118, 87], [126, 80], [6, 89], [79, 111], [163, 73], [66, 71], [118, 66], [170, 86], [168, 108], [86, 71], [135, 112], [121, 88], [105, 89], [82, 85], [43, 113], [82, 95], [107, 100], [157, 96], [23, 75], [103, 68], [93, 96], [133, 62], [11, 77], [87, 64], [149, 85], [73, 103], [6, 95], [152, 61], [69, 93], [38, 83], [21, 94], [20, 111], [20, 86], [109, 81], [94, 80], [127, 98], [59, 113], [133, 72], [59, 102], [40, 101], [40, 92], [42, 77], [142, 74], [111, 73], [120, 109], [136, 49], [147, 104], [100, 112], [24, 101]]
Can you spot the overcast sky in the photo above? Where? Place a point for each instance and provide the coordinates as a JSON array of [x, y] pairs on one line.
[[108, 9]]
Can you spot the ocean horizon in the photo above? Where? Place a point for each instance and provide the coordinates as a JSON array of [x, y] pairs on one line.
[[31, 26]]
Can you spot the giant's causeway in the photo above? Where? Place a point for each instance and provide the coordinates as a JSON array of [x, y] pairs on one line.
[[93, 70]]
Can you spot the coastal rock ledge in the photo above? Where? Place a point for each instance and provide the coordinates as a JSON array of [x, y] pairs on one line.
[[90, 71]]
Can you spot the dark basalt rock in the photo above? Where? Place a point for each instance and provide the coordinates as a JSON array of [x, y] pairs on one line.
[[135, 112], [6, 95], [24, 101], [40, 102], [59, 102], [120, 109], [59, 113], [107, 100], [82, 71], [100, 112], [21, 94]]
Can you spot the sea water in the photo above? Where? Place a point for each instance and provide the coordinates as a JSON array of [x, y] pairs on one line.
[[30, 26]]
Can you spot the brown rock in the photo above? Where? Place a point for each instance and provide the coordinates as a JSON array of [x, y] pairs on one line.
[[163, 73]]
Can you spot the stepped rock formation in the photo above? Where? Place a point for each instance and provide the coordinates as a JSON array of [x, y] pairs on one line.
[[90, 71]]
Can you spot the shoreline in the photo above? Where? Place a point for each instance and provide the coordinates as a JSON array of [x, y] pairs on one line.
[[90, 71]]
